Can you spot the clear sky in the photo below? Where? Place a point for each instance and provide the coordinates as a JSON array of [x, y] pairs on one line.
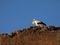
[[18, 14]]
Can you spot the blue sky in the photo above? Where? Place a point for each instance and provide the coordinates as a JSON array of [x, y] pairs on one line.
[[18, 14]]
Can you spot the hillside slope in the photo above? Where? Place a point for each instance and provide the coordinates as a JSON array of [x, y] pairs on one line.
[[32, 36]]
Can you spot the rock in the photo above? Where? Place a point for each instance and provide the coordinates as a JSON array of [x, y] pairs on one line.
[[32, 36]]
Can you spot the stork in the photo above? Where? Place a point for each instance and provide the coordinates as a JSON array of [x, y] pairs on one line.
[[38, 23]]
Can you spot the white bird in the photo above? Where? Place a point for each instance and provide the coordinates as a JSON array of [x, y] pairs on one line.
[[38, 23]]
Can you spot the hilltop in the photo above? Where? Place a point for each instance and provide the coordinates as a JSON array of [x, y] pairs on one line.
[[33, 35]]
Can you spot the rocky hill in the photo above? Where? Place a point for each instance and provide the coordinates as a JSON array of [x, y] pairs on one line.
[[32, 36]]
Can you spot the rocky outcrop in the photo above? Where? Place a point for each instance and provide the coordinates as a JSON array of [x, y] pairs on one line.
[[32, 36]]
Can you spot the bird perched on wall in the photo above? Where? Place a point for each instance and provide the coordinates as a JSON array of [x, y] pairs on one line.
[[38, 23]]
